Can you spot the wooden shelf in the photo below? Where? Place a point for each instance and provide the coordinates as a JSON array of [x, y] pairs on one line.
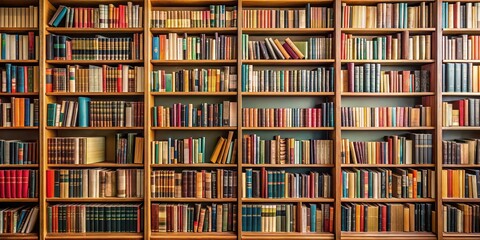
[[289, 31], [112, 235], [461, 128], [287, 200], [96, 94], [390, 165], [286, 236], [461, 200], [16, 3], [282, 3], [386, 128], [247, 165], [95, 128], [18, 128], [302, 62], [194, 200], [461, 61], [386, 30], [288, 94], [195, 128], [465, 236], [194, 93], [193, 62], [97, 165], [390, 62], [394, 94], [64, 30], [389, 200], [19, 200], [19, 94], [27, 62], [92, 62], [99, 199], [230, 30], [454, 31], [388, 235], [195, 236], [190, 3], [19, 236], [197, 165], [461, 94], [461, 165], [17, 29], [18, 166], [288, 128]]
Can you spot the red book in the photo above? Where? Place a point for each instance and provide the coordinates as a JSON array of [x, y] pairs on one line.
[[31, 45], [13, 183], [104, 77], [119, 78], [351, 78], [330, 225], [19, 184], [50, 183], [384, 218], [290, 51], [26, 181], [2, 183], [7, 184]]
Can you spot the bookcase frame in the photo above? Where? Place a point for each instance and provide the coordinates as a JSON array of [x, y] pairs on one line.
[[44, 132]]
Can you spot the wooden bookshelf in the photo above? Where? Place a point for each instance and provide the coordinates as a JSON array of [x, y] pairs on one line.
[[42, 133]]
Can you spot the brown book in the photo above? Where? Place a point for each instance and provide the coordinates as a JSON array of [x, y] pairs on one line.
[[201, 221], [139, 149], [415, 117], [226, 147], [294, 48]]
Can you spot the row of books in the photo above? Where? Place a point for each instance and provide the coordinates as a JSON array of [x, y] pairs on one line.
[[60, 47], [19, 183], [286, 150], [392, 217], [414, 148], [269, 218], [105, 16], [74, 78], [19, 46], [18, 152], [94, 183], [461, 47], [186, 115], [195, 80], [461, 217], [387, 183], [461, 183], [320, 79], [19, 17], [308, 17], [317, 218], [460, 15], [461, 151], [215, 16], [20, 79], [280, 184], [94, 218], [463, 112], [129, 148], [225, 151], [387, 15], [417, 47], [88, 113], [198, 218], [218, 183], [19, 112], [321, 116], [269, 48], [460, 77], [371, 78], [21, 219], [418, 116], [176, 46], [75, 150]]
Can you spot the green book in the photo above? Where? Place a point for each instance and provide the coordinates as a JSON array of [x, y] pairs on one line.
[[303, 47], [168, 83]]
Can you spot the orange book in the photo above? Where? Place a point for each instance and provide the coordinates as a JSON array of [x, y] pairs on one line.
[[282, 50]]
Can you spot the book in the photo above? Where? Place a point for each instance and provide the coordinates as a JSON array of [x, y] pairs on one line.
[[129, 148], [460, 15], [19, 219], [94, 183], [461, 47], [388, 47], [19, 17], [212, 16], [317, 218], [417, 116], [463, 112], [220, 183], [19, 47], [81, 150], [321, 116], [461, 218], [19, 79], [127, 218], [461, 151], [196, 218], [308, 17], [19, 112], [18, 152], [460, 77], [19, 183], [461, 183], [179, 151], [269, 218]]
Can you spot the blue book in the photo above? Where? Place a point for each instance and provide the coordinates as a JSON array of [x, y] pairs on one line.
[[27, 112], [458, 77], [8, 71], [313, 217], [248, 173], [214, 217], [61, 15], [244, 218], [4, 46], [21, 80], [155, 48], [83, 111]]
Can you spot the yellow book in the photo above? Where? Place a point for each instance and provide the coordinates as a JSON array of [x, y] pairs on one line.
[[217, 150]]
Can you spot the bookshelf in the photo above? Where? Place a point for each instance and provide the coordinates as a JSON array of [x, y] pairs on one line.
[[435, 96]]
